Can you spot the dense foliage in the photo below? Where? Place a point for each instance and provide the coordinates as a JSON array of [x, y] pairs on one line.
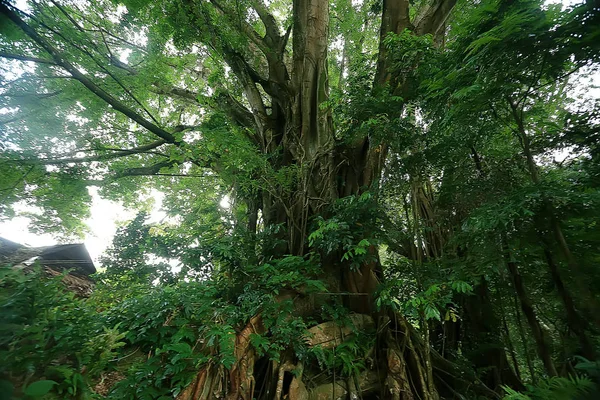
[[416, 185]]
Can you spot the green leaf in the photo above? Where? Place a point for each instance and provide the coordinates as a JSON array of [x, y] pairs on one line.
[[39, 388], [364, 243], [461, 287], [482, 41], [6, 388], [432, 313], [182, 348]]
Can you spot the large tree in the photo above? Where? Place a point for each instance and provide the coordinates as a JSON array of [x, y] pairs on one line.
[[265, 68], [294, 108]]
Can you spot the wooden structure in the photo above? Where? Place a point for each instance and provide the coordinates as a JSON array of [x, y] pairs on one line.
[[55, 260]]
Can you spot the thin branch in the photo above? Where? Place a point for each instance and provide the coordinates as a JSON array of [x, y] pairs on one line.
[[225, 102], [100, 29], [236, 110], [21, 179], [119, 64], [186, 94], [267, 19], [66, 14], [21, 57], [537, 77], [101, 157], [96, 182], [246, 28], [149, 170], [36, 95], [32, 77], [90, 55], [17, 118], [181, 175], [98, 63], [98, 91], [561, 77]]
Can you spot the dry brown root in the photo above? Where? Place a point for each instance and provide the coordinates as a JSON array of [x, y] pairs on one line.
[[408, 375], [328, 391], [241, 376], [366, 383], [210, 384], [296, 389], [397, 381], [107, 382], [403, 372], [207, 385]]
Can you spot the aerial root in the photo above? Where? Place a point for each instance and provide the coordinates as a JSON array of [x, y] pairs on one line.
[[403, 372], [211, 380], [296, 390]]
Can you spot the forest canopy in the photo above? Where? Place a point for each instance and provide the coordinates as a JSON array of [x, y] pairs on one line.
[[413, 194]]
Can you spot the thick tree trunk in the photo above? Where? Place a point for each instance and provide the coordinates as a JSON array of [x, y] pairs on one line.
[[313, 142], [483, 326], [574, 321], [298, 134], [524, 339], [541, 338]]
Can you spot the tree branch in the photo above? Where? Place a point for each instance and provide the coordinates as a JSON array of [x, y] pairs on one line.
[[149, 170], [433, 16], [101, 157], [98, 63], [267, 19], [248, 80], [60, 60], [26, 58], [224, 101], [21, 179], [240, 114], [246, 74], [36, 95], [394, 19], [245, 27], [119, 64], [175, 92]]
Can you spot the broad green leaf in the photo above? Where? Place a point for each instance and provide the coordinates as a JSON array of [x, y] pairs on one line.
[[39, 388]]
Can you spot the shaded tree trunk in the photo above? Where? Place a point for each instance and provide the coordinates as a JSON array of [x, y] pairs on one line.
[[524, 339], [484, 326], [548, 218], [574, 320], [541, 338], [298, 133]]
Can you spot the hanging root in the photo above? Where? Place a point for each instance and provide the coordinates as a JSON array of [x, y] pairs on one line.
[[241, 376], [207, 383], [407, 372], [401, 370], [295, 389], [210, 382]]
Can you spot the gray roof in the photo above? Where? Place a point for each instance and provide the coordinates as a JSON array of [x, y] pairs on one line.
[[59, 257]]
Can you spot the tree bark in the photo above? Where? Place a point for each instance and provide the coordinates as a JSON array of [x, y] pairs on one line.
[[524, 339], [548, 216], [541, 338], [484, 327], [285, 108], [574, 321]]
